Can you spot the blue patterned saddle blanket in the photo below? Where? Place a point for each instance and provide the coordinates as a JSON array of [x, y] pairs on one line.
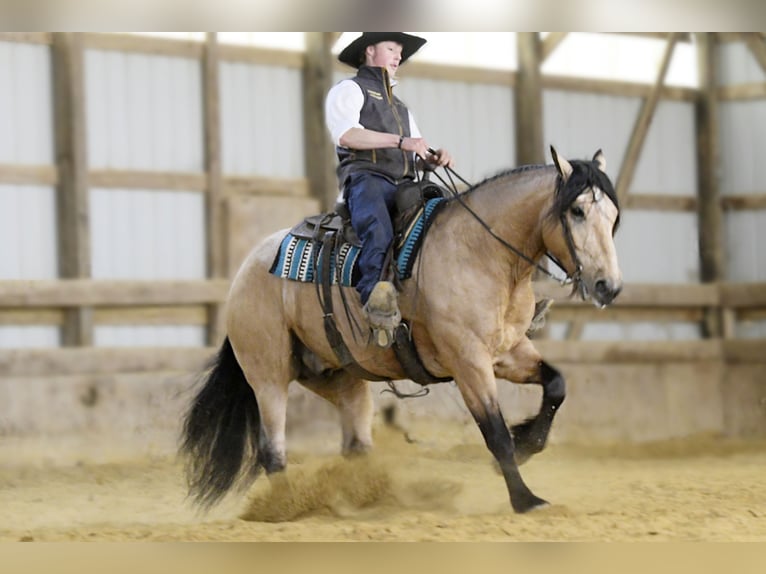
[[299, 259]]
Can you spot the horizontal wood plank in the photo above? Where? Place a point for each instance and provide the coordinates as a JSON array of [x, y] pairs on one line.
[[27, 37], [639, 295], [114, 293], [641, 352], [101, 360], [298, 186], [20, 174], [754, 91], [134, 179]]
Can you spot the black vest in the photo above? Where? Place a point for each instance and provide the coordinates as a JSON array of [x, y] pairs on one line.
[[381, 112]]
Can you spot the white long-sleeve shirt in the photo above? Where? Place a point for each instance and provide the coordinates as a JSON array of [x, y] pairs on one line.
[[342, 108]]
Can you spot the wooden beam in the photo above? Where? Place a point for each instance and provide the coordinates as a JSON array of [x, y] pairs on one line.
[[616, 88], [739, 351], [19, 174], [253, 185], [319, 149], [638, 295], [709, 213], [217, 261], [624, 314], [643, 122], [260, 56], [550, 43], [152, 315], [757, 46], [135, 179], [528, 101], [743, 295], [641, 352], [73, 211], [27, 37], [660, 202], [755, 91], [100, 360], [113, 293], [744, 202], [141, 44]]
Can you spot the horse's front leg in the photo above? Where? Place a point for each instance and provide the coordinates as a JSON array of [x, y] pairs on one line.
[[523, 364], [476, 382]]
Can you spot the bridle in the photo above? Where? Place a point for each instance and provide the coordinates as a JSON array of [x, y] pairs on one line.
[[571, 278]]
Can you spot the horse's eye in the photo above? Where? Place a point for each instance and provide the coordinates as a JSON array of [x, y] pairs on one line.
[[577, 212]]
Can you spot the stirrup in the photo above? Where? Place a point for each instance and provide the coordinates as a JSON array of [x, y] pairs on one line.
[[382, 312]]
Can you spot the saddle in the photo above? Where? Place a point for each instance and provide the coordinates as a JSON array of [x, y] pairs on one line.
[[331, 229]]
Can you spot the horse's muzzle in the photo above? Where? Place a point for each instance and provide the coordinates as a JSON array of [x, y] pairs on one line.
[[605, 291]]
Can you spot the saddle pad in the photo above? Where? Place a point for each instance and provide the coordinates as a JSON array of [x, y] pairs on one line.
[[298, 258]]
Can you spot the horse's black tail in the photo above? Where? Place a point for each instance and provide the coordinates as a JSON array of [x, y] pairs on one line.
[[220, 432]]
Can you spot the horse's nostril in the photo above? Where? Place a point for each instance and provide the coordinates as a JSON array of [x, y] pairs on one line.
[[602, 287]]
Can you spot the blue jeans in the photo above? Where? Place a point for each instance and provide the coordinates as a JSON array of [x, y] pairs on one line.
[[370, 201]]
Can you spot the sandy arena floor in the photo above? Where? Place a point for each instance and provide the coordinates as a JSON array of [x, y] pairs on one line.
[[442, 486]]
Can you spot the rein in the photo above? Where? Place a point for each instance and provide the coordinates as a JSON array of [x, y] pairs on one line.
[[574, 278]]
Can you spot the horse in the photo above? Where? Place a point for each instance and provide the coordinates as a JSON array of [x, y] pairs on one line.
[[469, 308]]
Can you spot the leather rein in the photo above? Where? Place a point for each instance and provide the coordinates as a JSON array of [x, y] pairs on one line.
[[573, 278]]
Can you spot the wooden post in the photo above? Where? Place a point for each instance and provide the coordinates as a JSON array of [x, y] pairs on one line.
[[709, 212], [528, 112], [641, 127], [215, 252], [73, 214], [319, 150], [528, 100]]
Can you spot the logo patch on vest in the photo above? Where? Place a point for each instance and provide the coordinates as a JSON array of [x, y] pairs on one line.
[[374, 94]]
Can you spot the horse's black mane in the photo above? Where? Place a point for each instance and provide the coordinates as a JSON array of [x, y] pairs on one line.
[[584, 174]]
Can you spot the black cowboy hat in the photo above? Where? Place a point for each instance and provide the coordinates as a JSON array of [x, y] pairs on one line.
[[353, 54]]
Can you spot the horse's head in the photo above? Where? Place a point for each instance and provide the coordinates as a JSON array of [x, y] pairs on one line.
[[581, 226]]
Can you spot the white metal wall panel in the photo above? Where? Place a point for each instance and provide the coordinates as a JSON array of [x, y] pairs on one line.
[[578, 124], [667, 164], [743, 139], [261, 120], [737, 65], [657, 247], [28, 232], [144, 112], [147, 234], [29, 336], [473, 121], [745, 239], [26, 125]]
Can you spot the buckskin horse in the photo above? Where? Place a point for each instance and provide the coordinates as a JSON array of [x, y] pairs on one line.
[[468, 310]]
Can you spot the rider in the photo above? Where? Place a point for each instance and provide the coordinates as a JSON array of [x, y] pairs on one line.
[[377, 142]]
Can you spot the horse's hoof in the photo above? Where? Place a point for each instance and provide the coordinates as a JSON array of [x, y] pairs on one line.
[[530, 503]]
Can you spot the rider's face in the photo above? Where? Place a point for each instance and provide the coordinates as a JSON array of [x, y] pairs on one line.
[[385, 55]]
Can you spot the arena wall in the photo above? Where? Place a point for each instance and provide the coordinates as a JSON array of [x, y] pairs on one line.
[[181, 155]]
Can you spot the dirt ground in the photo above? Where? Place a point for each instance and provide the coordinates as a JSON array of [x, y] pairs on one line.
[[434, 483]]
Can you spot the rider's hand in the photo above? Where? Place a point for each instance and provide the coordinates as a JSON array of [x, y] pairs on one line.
[[420, 146]]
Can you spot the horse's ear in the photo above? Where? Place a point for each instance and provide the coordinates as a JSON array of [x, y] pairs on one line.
[[564, 167], [600, 160]]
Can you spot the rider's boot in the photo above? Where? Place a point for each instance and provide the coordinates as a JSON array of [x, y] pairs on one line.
[[382, 313]]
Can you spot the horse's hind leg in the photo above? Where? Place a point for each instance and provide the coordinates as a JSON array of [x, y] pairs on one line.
[[352, 398]]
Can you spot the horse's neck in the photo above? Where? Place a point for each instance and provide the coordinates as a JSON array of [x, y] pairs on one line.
[[514, 207]]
